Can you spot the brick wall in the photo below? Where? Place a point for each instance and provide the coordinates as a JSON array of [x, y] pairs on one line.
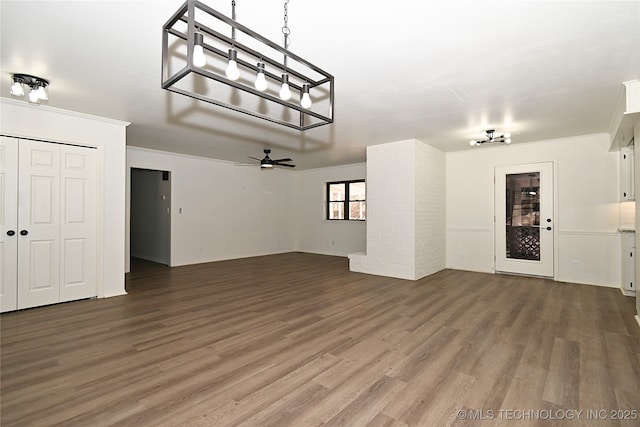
[[430, 226], [405, 211]]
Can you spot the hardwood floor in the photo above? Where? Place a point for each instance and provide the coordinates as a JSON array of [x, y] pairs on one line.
[[298, 340]]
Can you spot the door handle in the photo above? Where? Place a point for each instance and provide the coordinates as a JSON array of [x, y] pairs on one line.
[[11, 233], [548, 219], [549, 228], [23, 232]]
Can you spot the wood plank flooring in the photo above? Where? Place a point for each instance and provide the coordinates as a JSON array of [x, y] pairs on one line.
[[298, 340]]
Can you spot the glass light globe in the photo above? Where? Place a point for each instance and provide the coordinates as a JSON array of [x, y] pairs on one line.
[[42, 93], [17, 89], [33, 95]]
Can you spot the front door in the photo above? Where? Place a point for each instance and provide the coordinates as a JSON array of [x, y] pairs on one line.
[[524, 219]]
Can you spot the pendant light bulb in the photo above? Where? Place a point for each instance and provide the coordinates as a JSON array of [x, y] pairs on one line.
[[305, 102], [285, 92], [232, 67], [16, 88], [473, 142], [199, 60], [261, 80]]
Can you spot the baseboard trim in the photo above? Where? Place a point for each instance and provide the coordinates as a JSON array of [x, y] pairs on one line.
[[628, 293]]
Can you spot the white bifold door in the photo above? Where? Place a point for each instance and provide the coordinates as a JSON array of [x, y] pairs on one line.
[[48, 238]]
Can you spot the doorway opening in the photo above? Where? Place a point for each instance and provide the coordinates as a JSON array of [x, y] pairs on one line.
[[150, 217]]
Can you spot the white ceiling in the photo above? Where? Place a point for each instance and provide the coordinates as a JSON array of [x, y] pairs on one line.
[[439, 71]]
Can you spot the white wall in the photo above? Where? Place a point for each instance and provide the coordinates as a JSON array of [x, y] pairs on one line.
[[18, 118], [219, 210], [405, 220], [586, 195], [313, 232]]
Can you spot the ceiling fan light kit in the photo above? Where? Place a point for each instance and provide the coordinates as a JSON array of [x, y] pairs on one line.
[[490, 136], [37, 87], [212, 58]]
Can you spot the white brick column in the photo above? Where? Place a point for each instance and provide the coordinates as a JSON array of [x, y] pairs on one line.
[[405, 211]]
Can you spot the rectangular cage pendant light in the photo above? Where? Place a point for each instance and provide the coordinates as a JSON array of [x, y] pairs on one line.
[[211, 57]]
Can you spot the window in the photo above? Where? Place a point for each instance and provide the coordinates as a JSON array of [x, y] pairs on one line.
[[347, 200]]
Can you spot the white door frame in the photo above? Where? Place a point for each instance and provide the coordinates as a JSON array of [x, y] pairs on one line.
[[547, 265]]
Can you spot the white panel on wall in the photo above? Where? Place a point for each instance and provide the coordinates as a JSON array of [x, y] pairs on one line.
[[470, 249], [583, 256]]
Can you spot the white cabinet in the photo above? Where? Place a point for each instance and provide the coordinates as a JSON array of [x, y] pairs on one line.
[[627, 177], [628, 263], [48, 223]]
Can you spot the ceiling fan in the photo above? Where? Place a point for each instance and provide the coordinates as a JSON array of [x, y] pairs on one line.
[[268, 163]]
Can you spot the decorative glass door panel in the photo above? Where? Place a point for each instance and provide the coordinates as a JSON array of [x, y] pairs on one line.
[[522, 232]]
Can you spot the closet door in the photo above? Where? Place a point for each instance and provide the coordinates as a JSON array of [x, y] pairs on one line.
[[8, 224], [39, 224], [78, 218]]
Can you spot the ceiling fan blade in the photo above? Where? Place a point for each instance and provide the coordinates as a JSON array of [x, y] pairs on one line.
[[244, 164], [254, 158], [283, 160], [284, 164]]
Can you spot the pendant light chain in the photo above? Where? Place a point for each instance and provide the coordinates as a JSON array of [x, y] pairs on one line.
[[286, 31], [233, 29]]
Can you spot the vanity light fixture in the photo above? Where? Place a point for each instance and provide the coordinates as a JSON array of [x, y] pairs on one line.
[[491, 137], [37, 87]]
